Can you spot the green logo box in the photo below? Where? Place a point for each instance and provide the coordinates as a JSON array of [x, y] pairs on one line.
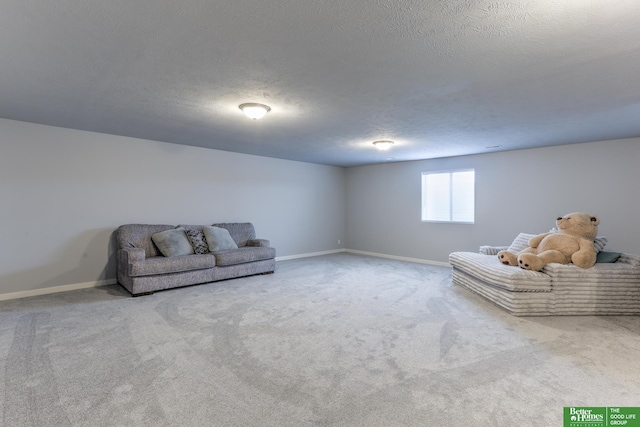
[[601, 416]]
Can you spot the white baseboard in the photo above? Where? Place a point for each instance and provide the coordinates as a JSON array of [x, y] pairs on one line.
[[374, 254], [311, 254], [399, 258], [65, 288], [56, 289]]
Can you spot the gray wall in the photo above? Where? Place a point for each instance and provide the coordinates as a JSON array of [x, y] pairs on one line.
[[516, 191], [64, 192]]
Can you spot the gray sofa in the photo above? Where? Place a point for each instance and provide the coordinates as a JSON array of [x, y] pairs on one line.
[[142, 268], [607, 288]]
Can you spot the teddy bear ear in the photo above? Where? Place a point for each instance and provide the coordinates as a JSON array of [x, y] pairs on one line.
[[595, 220]]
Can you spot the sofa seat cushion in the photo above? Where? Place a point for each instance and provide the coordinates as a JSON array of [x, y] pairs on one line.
[[489, 270], [243, 254], [164, 265]]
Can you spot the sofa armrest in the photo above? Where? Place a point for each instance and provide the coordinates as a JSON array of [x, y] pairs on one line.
[[124, 258], [261, 243], [492, 250], [133, 254]]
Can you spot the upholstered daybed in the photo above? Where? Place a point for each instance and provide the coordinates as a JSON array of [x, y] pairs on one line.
[[607, 288]]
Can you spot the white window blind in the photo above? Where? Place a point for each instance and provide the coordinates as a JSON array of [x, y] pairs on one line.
[[448, 196]]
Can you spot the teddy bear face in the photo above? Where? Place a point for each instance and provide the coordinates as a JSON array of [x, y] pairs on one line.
[[579, 224]]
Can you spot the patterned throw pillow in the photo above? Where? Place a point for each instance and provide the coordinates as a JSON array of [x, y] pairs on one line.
[[198, 241]]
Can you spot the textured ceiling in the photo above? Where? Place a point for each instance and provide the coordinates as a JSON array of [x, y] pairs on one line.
[[439, 77]]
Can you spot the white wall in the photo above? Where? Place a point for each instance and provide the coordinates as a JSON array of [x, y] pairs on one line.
[[516, 191], [63, 193]]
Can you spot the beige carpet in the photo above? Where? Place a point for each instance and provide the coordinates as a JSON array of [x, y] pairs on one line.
[[340, 340]]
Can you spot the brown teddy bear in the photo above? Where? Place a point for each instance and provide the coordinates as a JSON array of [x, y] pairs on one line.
[[573, 242]]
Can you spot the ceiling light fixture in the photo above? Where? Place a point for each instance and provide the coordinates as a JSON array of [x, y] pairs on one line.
[[254, 110], [383, 145]]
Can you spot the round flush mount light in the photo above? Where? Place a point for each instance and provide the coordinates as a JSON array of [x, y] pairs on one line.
[[383, 145], [254, 110]]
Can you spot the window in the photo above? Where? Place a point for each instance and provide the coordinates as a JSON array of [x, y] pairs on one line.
[[448, 196]]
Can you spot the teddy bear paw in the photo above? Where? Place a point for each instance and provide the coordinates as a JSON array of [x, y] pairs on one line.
[[530, 262], [507, 258]]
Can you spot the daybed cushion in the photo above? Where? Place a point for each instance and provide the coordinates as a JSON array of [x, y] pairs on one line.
[[492, 272], [172, 242], [244, 254], [605, 288], [521, 242], [516, 303], [599, 243], [164, 265], [218, 239]]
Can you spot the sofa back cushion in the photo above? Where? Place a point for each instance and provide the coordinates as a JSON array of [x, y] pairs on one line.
[[139, 236], [241, 232]]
